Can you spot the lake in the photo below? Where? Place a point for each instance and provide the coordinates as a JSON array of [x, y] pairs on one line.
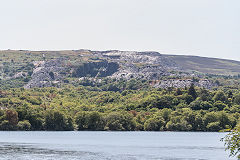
[[112, 146]]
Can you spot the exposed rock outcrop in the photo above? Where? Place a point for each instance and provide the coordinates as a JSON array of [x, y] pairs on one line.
[[148, 65], [113, 64], [47, 73]]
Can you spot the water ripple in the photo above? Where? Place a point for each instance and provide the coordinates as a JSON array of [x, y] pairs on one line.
[[32, 152]]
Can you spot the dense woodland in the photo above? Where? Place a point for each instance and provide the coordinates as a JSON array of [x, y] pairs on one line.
[[119, 106], [110, 104]]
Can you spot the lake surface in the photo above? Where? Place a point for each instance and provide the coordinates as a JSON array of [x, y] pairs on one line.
[[112, 146]]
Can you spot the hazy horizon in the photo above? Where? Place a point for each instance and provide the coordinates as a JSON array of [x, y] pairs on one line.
[[120, 50], [199, 28]]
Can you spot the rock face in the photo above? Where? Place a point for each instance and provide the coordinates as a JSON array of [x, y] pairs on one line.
[[47, 74], [148, 65], [96, 69], [112, 64]]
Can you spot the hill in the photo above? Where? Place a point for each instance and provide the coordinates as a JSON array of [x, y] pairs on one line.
[[207, 65], [30, 69]]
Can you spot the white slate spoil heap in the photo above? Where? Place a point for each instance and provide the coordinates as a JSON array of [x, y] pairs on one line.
[[42, 77]]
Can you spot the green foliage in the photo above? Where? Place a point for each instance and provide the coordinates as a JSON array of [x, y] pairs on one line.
[[237, 99], [178, 123], [57, 121], [24, 125], [89, 120], [178, 92], [204, 95], [154, 124], [156, 101], [6, 126], [117, 121], [213, 126], [219, 105], [100, 103], [192, 92], [232, 142], [81, 108], [220, 96]]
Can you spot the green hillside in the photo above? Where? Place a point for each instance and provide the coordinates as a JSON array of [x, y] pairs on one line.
[[207, 65]]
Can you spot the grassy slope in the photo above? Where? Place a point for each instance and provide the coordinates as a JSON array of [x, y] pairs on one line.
[[207, 65]]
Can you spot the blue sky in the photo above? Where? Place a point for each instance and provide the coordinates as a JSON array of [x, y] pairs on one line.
[[191, 27]]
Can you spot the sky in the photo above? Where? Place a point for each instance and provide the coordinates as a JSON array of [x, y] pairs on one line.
[[209, 28]]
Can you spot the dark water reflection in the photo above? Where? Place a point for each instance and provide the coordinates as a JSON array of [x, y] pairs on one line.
[[111, 146], [16, 151]]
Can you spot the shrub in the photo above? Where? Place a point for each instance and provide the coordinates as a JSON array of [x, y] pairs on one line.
[[24, 125]]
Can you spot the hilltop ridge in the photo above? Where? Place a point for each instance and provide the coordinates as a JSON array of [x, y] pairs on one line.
[[53, 68]]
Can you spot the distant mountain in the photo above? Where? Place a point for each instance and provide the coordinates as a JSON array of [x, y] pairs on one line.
[[52, 68]]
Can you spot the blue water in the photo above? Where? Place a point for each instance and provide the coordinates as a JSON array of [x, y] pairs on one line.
[[112, 146]]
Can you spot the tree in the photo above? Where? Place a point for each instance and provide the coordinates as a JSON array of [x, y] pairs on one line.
[[220, 96], [206, 105], [51, 74], [192, 91], [178, 123], [57, 121], [178, 91], [120, 121], [6, 126], [23, 112], [154, 124], [188, 98], [166, 114], [195, 105], [12, 117], [198, 123], [36, 119], [229, 94], [219, 105], [232, 142], [208, 118], [24, 125], [204, 95], [237, 99], [160, 102], [225, 120], [1, 115], [213, 126], [89, 121]]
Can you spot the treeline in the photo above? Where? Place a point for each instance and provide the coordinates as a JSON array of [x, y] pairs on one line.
[[77, 108], [163, 120]]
